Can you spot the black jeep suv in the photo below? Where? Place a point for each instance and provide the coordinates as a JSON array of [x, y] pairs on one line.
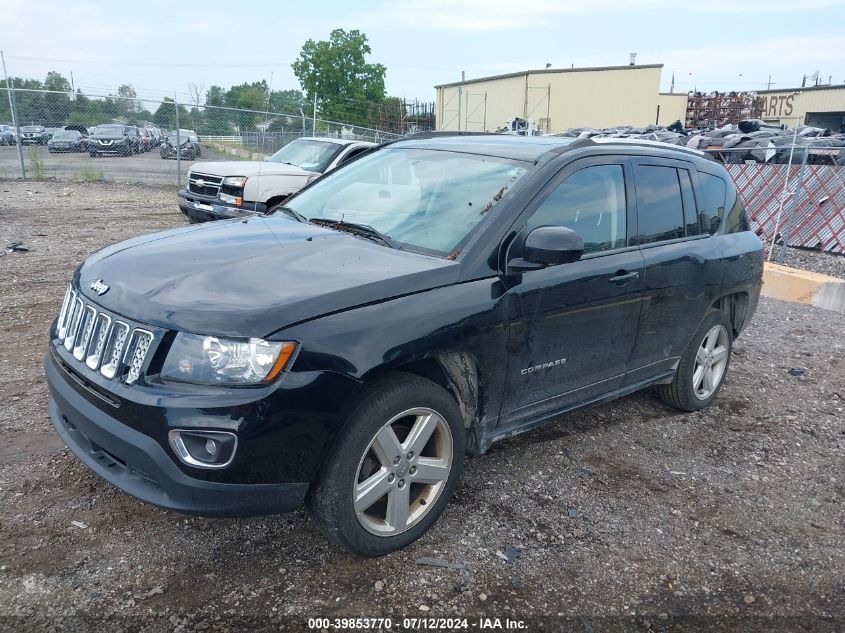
[[421, 302]]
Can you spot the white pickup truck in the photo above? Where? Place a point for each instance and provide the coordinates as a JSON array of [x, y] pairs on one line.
[[231, 189]]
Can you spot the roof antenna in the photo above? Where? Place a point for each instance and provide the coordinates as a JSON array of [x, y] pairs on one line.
[[633, 59]]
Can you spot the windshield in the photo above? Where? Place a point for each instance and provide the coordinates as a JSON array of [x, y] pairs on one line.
[[184, 135], [114, 130], [65, 134], [31, 128], [306, 154], [429, 199]]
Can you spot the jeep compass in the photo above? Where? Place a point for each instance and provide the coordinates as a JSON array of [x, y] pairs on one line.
[[417, 304]]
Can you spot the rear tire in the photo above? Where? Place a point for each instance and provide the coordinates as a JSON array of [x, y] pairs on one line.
[[703, 365], [406, 438]]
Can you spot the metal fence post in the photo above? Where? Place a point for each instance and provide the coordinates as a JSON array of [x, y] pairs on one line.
[[783, 193], [793, 208], [10, 88], [314, 125], [178, 147]]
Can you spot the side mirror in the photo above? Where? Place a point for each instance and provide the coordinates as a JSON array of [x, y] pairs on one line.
[[548, 246]]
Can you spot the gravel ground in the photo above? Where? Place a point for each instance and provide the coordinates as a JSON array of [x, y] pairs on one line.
[[630, 516], [824, 263]]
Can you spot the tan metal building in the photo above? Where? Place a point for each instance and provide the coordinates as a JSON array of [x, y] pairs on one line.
[[821, 106], [556, 99]]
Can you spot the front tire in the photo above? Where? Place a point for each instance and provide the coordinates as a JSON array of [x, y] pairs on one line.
[[703, 365], [393, 468]]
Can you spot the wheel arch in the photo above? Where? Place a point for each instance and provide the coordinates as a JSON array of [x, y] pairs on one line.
[[735, 305], [455, 371]]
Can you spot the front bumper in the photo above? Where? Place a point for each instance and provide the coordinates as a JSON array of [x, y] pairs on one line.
[[199, 208], [138, 465], [114, 148]]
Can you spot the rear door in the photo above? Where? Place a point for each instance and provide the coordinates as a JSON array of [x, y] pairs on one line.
[[572, 326], [683, 268]]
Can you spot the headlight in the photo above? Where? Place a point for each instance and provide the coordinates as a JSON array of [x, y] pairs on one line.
[[217, 360], [235, 181]]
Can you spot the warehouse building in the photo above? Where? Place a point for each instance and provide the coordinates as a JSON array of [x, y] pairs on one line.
[[558, 99]]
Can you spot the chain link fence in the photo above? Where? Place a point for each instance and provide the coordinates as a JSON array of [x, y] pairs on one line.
[[83, 136]]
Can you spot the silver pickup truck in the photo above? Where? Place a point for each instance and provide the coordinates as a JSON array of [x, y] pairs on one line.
[[231, 189]]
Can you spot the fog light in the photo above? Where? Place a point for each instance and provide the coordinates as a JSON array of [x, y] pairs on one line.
[[203, 449]]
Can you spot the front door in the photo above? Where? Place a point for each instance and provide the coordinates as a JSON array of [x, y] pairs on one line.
[[572, 326]]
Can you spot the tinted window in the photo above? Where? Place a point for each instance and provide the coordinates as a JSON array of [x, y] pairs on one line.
[[736, 220], [660, 210], [711, 201], [690, 212], [591, 202]]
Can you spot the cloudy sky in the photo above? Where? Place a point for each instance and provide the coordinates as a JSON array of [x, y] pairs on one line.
[[162, 47]]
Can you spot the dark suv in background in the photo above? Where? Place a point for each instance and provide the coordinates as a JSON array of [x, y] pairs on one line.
[[423, 301], [33, 135], [113, 138]]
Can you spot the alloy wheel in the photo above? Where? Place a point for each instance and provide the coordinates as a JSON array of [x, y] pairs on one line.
[[711, 360], [403, 471]]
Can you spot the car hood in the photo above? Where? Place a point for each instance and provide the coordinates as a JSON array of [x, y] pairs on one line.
[[108, 137], [252, 277], [248, 168]]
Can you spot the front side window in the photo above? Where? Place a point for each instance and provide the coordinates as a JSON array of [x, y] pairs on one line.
[[591, 202], [660, 210], [428, 200]]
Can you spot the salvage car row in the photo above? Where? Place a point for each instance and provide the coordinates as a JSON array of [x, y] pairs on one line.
[[115, 139]]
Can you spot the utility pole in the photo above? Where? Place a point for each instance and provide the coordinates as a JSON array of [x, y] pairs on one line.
[[10, 88], [769, 85], [72, 85]]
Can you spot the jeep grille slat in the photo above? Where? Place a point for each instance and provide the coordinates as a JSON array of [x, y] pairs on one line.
[[100, 341]]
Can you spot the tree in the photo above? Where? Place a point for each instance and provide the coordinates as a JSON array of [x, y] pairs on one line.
[[127, 95], [56, 106], [287, 101], [165, 116], [338, 73], [215, 96]]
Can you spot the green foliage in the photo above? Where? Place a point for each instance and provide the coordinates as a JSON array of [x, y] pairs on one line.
[[89, 174], [338, 73], [165, 115], [36, 163]]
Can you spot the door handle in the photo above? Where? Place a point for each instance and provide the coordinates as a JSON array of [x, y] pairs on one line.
[[622, 277]]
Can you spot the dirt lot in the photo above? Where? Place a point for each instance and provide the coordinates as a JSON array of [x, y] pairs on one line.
[[630, 516], [147, 168]]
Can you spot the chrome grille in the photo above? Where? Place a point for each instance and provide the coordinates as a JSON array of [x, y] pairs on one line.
[[204, 184], [136, 351], [103, 343], [114, 349]]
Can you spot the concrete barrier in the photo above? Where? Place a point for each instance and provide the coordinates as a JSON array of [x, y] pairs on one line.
[[803, 286]]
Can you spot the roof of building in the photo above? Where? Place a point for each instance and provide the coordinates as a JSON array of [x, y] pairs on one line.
[[550, 71]]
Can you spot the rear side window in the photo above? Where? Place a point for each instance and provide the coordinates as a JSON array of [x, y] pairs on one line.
[[660, 209], [737, 220], [591, 202], [711, 199]]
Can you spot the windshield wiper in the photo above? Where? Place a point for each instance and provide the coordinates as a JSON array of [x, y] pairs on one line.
[[362, 230], [296, 215]]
